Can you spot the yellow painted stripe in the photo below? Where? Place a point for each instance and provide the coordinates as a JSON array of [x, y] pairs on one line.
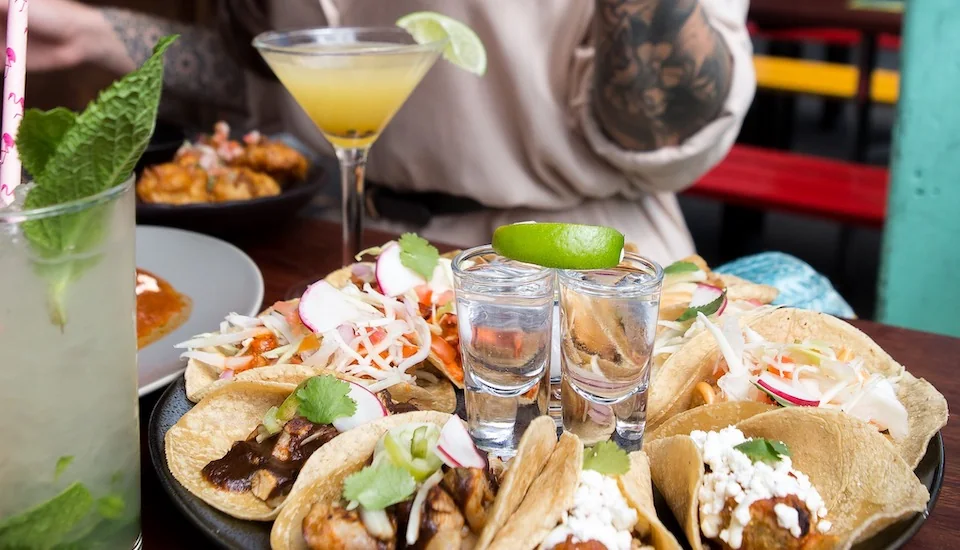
[[825, 79]]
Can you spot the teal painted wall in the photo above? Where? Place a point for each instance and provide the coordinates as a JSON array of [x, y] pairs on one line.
[[920, 268]]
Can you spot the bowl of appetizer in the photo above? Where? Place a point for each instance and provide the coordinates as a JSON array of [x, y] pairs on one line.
[[218, 185]]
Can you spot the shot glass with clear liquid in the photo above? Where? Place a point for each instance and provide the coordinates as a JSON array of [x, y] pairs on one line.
[[608, 321], [505, 318]]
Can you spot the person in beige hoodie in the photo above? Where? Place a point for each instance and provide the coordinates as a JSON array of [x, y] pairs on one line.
[[591, 111]]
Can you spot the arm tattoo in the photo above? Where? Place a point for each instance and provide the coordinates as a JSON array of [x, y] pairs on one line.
[[661, 74], [197, 66]]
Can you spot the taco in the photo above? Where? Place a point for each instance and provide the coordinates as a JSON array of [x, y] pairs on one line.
[[415, 482], [797, 478], [242, 448], [275, 336], [432, 295], [690, 288], [353, 331], [428, 392], [686, 279], [599, 500], [798, 358]]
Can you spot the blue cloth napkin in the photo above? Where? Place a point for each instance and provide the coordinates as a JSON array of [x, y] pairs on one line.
[[799, 284]]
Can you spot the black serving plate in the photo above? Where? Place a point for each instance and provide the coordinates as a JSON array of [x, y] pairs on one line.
[[229, 532], [232, 218]]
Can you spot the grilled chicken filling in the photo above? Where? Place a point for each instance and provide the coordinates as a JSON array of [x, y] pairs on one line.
[[452, 510]]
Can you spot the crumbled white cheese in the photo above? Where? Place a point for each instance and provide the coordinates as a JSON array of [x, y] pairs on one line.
[[788, 518], [599, 512], [734, 476]]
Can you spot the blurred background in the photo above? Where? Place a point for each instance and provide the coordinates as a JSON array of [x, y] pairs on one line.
[[807, 108]]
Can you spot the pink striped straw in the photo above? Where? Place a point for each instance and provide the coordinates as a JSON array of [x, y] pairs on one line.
[[14, 80]]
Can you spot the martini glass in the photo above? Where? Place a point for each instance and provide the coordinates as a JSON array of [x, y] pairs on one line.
[[351, 82]]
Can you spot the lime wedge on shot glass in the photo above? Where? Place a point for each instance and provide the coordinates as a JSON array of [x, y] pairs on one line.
[[464, 49], [560, 245]]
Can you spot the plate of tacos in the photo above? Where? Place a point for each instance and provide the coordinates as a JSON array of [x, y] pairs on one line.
[[333, 421]]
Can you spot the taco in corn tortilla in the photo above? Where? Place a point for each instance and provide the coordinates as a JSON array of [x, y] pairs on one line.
[[798, 358], [683, 278], [244, 445], [433, 296], [417, 482], [354, 331], [275, 336], [690, 288], [595, 501], [430, 391], [796, 478]]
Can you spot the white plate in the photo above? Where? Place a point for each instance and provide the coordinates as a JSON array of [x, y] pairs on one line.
[[216, 275]]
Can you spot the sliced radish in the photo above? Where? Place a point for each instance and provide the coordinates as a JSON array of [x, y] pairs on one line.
[[447, 459], [455, 446], [793, 395], [393, 277], [363, 271], [369, 408], [704, 294], [706, 299], [322, 308]]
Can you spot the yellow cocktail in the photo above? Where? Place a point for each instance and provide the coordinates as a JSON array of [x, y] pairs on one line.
[[350, 81], [351, 91]]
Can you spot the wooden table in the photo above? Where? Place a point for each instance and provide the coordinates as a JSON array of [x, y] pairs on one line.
[[309, 248]]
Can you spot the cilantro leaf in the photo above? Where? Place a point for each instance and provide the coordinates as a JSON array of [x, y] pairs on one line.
[[46, 524], [39, 135], [706, 309], [323, 399], [78, 158], [62, 464], [763, 450], [607, 458], [680, 267], [418, 255], [380, 485]]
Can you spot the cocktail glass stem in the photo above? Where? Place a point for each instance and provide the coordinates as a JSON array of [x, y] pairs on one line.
[[353, 165]]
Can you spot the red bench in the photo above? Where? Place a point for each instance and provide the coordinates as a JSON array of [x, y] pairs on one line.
[[828, 36], [766, 179]]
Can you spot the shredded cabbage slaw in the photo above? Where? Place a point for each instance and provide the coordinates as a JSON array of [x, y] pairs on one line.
[[805, 373], [390, 339]]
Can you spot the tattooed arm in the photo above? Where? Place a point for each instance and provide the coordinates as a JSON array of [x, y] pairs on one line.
[[197, 66], [661, 71]]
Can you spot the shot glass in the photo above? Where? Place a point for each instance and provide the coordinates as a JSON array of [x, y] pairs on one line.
[[608, 321], [555, 402], [505, 318]]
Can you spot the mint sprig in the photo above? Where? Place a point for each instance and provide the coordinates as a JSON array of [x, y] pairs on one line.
[[48, 523], [74, 157]]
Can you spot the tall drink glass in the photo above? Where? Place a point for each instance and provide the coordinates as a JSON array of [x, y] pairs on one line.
[[608, 321], [69, 442], [505, 318]]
